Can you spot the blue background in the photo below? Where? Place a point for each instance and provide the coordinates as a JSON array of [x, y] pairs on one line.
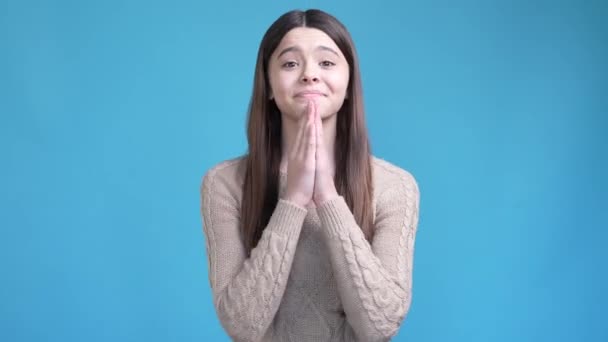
[[112, 111]]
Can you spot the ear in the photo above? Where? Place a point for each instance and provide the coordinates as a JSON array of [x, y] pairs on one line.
[[271, 95]]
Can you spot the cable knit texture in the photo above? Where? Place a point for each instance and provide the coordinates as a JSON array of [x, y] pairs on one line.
[[312, 276]]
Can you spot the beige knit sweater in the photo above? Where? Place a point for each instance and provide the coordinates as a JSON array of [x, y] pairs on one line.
[[312, 276]]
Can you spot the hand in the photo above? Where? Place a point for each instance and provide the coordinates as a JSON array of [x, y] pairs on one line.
[[301, 160], [325, 188]]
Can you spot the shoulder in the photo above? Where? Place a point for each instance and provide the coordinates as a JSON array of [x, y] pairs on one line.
[[387, 176], [227, 176]]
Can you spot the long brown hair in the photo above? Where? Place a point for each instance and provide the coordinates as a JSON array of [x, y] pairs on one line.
[[353, 174]]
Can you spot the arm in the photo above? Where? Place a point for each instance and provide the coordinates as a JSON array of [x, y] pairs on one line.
[[246, 291], [374, 281]]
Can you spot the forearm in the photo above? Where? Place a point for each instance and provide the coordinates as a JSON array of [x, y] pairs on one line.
[[248, 303], [374, 300]]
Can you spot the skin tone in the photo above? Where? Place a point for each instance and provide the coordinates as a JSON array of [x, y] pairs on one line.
[[308, 77]]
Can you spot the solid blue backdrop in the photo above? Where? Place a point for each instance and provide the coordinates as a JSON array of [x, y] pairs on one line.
[[112, 111]]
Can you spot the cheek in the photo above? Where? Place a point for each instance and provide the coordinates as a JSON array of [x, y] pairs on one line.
[[281, 85], [282, 89], [339, 83]]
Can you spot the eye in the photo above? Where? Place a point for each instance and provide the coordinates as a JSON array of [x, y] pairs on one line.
[[327, 63], [289, 65]]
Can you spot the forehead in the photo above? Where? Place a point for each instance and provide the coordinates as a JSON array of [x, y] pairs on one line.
[[306, 38]]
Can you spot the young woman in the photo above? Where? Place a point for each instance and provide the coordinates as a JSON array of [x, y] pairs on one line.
[[309, 237]]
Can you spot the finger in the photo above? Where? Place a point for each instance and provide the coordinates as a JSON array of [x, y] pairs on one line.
[[311, 147], [309, 125], [311, 140], [319, 130], [320, 142], [301, 129]]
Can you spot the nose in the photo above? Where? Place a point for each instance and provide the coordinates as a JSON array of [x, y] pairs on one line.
[[309, 75], [309, 79]]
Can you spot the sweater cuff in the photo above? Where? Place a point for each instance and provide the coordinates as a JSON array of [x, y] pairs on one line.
[[336, 217], [287, 218]]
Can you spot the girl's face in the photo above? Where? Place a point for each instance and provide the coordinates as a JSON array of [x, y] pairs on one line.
[[306, 65]]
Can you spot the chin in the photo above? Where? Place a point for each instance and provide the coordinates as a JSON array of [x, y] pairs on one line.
[[327, 116]]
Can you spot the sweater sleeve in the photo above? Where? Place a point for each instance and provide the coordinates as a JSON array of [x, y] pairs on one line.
[[246, 291], [374, 280]]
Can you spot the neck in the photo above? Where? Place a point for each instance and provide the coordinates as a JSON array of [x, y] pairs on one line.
[[290, 130]]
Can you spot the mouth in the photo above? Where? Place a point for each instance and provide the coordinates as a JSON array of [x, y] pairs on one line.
[[309, 94]]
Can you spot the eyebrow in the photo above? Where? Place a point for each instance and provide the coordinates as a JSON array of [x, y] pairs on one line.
[[297, 49]]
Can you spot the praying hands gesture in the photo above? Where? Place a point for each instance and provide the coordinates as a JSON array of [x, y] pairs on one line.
[[310, 173]]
